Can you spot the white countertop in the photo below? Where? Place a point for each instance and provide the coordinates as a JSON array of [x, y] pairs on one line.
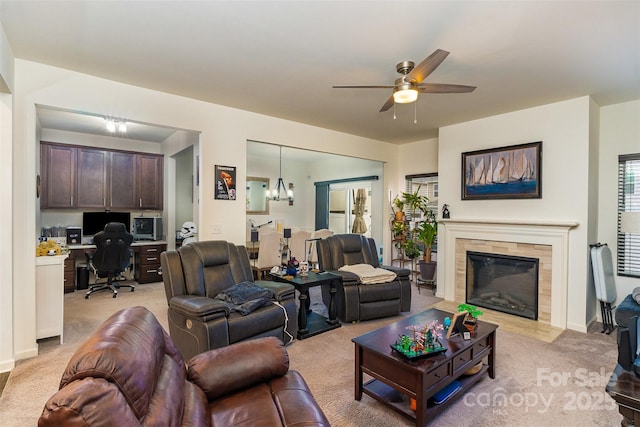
[[51, 259], [135, 243]]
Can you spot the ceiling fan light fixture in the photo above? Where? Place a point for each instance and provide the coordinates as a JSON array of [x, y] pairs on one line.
[[405, 94]]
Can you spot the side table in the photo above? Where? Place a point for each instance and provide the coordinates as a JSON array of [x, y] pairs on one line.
[[309, 322], [624, 388]]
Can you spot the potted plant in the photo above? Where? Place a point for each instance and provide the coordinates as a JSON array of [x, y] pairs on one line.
[[397, 207], [398, 228], [426, 232], [411, 249], [416, 201], [471, 319]]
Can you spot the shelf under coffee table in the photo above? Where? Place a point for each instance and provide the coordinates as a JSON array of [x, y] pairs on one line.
[[396, 379]]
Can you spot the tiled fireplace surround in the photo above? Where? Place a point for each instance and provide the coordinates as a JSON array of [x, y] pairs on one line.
[[547, 241]]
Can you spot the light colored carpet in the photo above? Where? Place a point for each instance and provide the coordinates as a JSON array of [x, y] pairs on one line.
[[537, 383]]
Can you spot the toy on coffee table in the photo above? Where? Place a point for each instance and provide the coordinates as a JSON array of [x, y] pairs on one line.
[[423, 341]]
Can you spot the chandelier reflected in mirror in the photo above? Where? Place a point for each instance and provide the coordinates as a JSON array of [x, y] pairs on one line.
[[280, 191]]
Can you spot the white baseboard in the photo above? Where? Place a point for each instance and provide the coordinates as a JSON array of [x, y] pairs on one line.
[[7, 365], [27, 354]]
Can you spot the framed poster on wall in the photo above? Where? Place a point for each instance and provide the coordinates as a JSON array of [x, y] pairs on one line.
[[512, 172], [225, 185]]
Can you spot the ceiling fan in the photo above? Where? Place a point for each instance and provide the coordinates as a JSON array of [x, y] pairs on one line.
[[406, 88]]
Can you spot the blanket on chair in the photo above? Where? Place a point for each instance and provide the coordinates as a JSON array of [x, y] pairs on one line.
[[369, 274], [245, 297]]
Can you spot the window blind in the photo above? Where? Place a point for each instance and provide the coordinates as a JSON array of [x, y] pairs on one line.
[[428, 185], [628, 263]]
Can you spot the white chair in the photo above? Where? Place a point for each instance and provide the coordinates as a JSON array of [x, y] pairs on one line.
[[312, 256], [297, 244], [269, 254]]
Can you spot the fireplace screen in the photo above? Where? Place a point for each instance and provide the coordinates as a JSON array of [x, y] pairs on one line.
[[503, 283]]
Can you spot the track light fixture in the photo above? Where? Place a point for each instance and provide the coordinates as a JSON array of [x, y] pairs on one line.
[[113, 125]]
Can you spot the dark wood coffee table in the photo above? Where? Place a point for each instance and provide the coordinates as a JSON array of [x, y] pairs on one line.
[[309, 322], [396, 379]]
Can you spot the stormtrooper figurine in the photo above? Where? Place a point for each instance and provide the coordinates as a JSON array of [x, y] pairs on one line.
[[188, 233]]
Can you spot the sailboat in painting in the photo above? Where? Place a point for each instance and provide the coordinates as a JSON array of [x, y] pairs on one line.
[[500, 172]]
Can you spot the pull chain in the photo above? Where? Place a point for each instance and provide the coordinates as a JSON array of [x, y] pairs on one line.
[[415, 113]]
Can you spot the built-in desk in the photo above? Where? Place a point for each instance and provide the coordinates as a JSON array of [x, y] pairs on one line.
[[146, 261]]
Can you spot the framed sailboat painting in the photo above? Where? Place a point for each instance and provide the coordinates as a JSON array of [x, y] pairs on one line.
[[512, 172]]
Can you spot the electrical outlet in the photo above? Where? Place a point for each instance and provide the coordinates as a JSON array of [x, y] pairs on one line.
[[216, 228]]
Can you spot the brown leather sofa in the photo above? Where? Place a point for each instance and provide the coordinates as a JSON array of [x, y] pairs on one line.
[[356, 301], [129, 373], [193, 276]]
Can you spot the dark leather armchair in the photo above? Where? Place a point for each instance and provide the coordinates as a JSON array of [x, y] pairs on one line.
[[356, 301], [111, 257], [195, 274], [129, 373]]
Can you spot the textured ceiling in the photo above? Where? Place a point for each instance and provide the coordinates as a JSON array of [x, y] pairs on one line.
[[281, 58]]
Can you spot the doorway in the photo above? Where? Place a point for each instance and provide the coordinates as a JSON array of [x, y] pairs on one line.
[[350, 208]]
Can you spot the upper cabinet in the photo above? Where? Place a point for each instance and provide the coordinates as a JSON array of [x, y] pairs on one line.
[[58, 176], [150, 181], [93, 178], [122, 192]]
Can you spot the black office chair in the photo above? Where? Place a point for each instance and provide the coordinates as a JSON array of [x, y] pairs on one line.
[[111, 258]]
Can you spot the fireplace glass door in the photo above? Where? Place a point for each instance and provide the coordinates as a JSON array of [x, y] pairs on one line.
[[503, 283]]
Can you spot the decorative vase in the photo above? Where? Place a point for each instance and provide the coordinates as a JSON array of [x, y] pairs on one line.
[[399, 215]]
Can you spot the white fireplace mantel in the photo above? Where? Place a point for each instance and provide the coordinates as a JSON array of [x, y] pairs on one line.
[[545, 232], [532, 222]]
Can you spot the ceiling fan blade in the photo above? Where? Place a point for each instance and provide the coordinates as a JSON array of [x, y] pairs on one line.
[[426, 67], [444, 88], [387, 104], [361, 87]]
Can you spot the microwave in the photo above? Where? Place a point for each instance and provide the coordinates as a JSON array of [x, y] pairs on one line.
[[147, 228]]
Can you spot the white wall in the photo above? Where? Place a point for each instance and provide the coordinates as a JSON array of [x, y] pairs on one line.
[[619, 134], [418, 157], [564, 130], [6, 202], [223, 135]]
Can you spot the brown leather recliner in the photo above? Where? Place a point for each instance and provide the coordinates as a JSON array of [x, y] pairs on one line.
[[129, 373], [193, 276], [356, 301]]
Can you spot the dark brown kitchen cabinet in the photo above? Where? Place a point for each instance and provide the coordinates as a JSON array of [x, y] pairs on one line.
[[92, 178], [123, 185], [150, 181], [57, 176]]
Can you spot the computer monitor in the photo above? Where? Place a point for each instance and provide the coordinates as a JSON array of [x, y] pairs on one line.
[[94, 222]]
